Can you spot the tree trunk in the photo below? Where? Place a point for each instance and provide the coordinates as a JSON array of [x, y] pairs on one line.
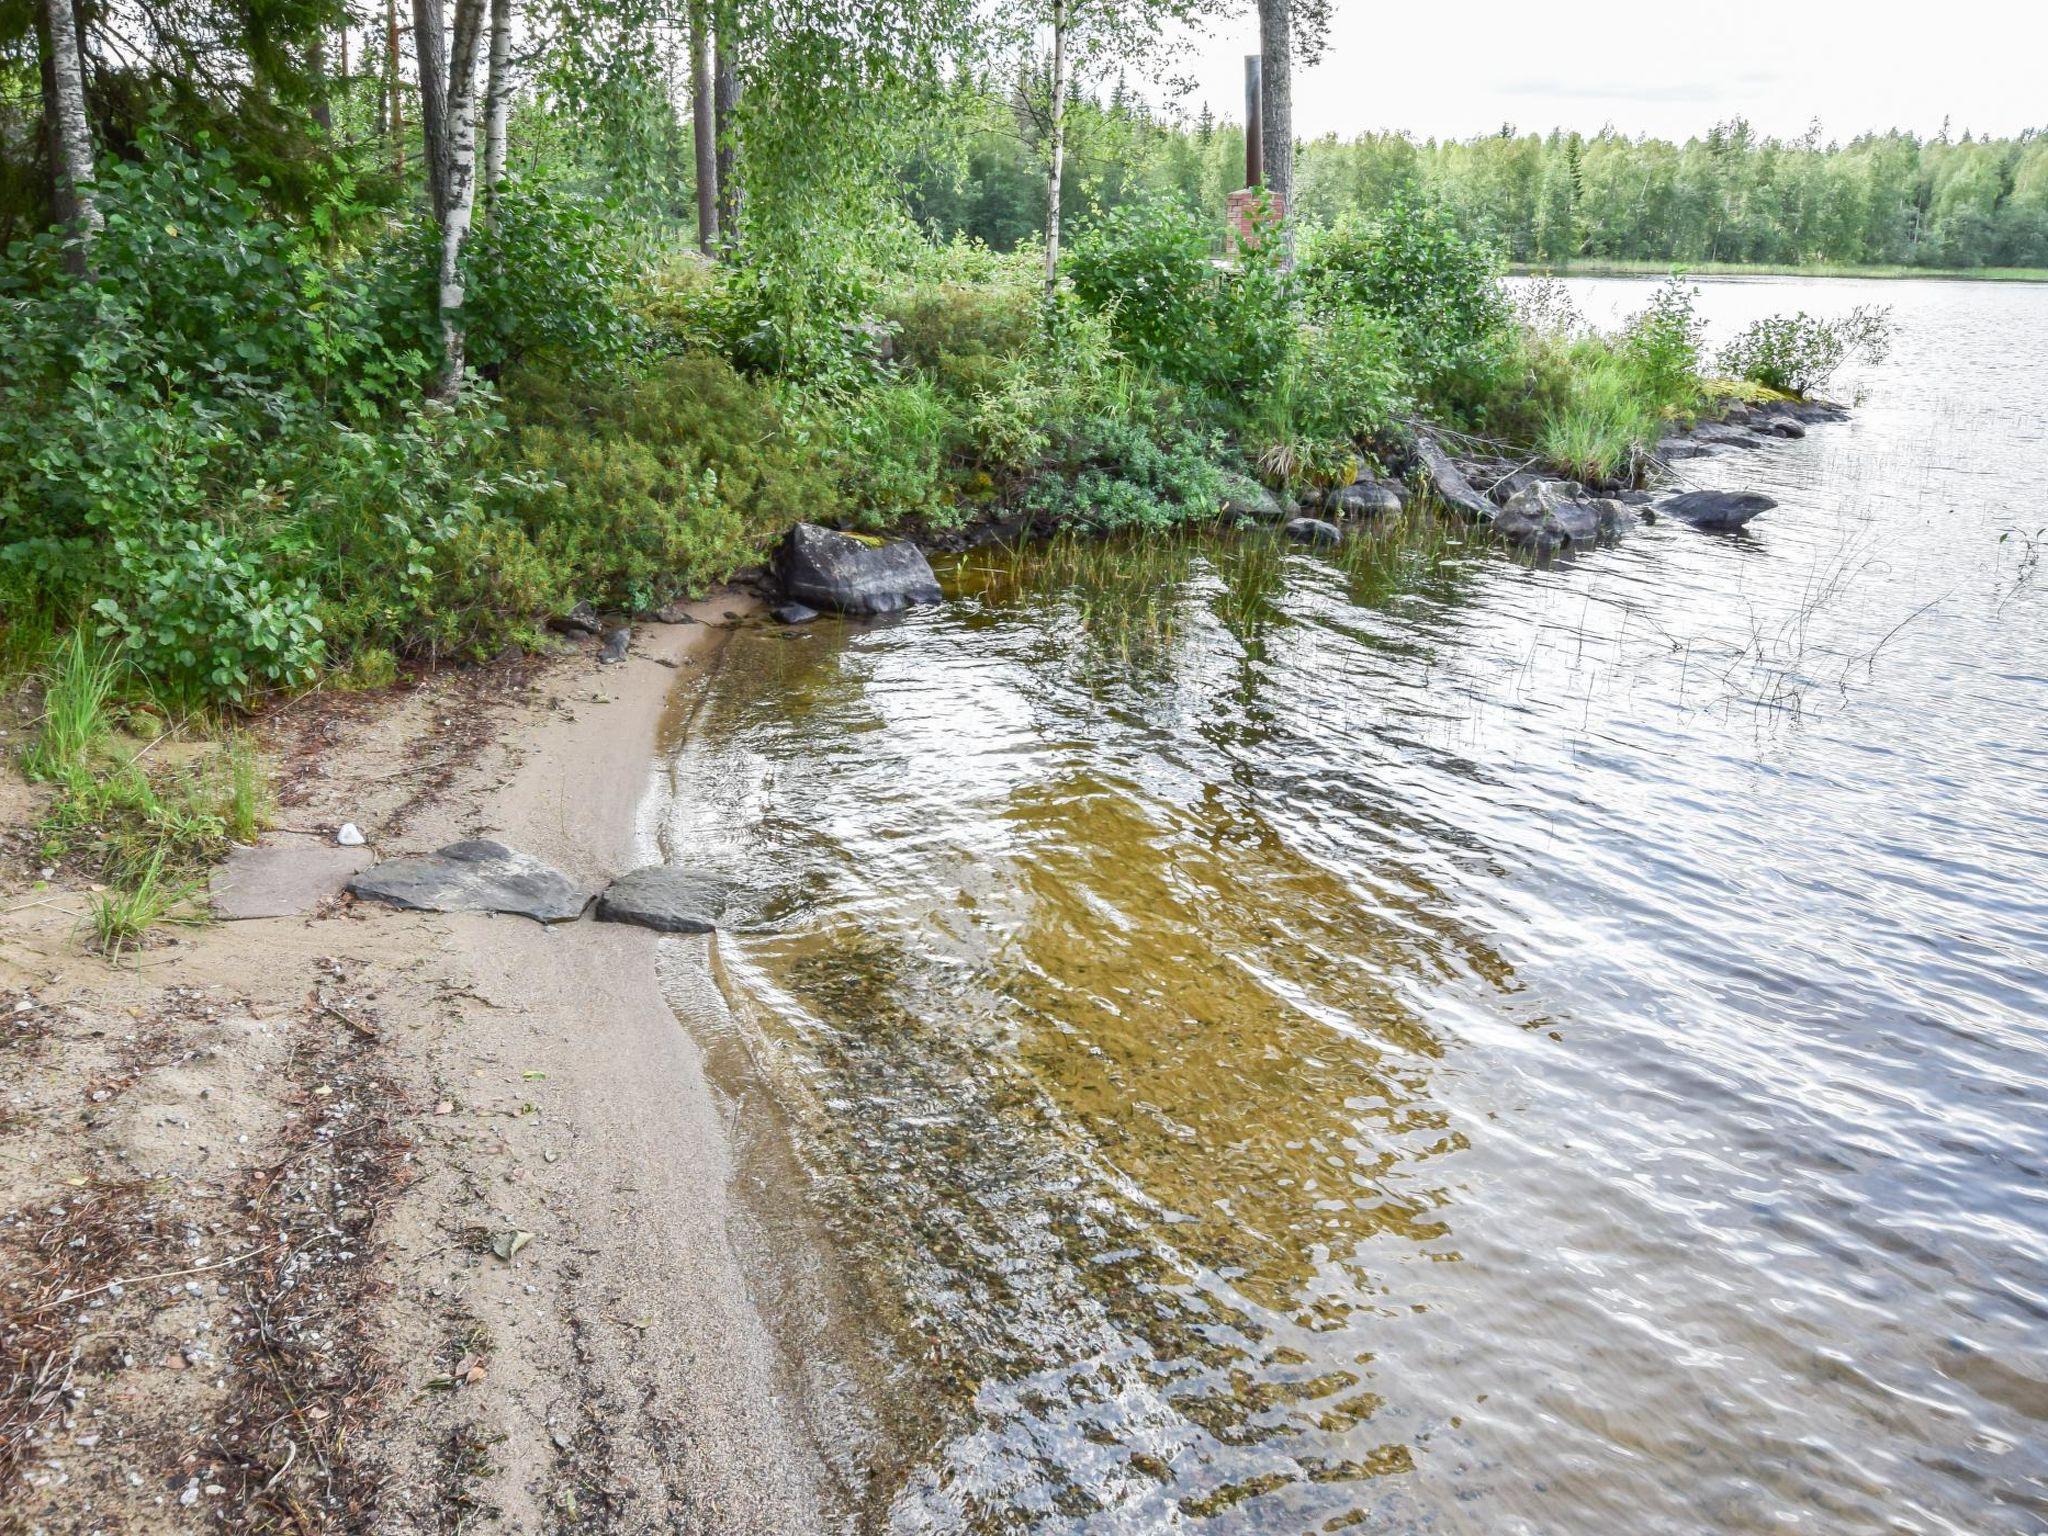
[[1056, 159], [725, 101], [430, 53], [394, 85], [461, 185], [1276, 113], [70, 135], [497, 100], [316, 66], [704, 128]]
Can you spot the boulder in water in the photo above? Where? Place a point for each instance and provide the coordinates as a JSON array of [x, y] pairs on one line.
[[1313, 530], [1720, 511], [840, 573], [666, 899], [1245, 497], [1367, 498]]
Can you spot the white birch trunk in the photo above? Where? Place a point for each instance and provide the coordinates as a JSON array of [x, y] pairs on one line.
[[1055, 170], [703, 129], [70, 134], [497, 100], [461, 187]]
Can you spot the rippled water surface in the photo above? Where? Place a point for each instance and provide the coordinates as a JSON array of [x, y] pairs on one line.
[[1417, 1042]]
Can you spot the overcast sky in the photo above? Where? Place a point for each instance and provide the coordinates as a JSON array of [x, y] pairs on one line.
[[1453, 70]]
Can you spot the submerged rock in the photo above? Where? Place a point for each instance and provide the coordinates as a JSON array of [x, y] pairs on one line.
[[792, 613], [666, 899], [838, 573], [1313, 530], [1672, 449], [1717, 434], [474, 876], [1245, 497], [1367, 498], [1550, 515], [1450, 483], [673, 613], [1718, 510]]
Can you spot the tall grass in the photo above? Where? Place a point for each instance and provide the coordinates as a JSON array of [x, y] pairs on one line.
[[1604, 418], [78, 681]]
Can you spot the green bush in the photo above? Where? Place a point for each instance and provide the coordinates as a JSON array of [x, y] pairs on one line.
[[1440, 291], [661, 479], [1664, 345], [544, 273], [891, 446], [1795, 354], [198, 619], [1119, 475], [963, 337], [1221, 331]]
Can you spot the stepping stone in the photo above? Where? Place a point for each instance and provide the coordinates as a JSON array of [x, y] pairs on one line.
[[287, 878], [475, 876], [666, 899]]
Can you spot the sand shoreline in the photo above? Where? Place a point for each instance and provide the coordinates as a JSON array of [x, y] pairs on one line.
[[617, 1374]]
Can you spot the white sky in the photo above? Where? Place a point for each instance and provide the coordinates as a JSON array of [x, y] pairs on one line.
[[1648, 66]]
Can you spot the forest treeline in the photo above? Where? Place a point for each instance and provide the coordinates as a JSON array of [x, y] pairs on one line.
[[1729, 195]]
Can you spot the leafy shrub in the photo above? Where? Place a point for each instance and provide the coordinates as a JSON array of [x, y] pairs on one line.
[[198, 618], [1440, 290], [1147, 268], [1123, 475], [1798, 353], [891, 446], [543, 273], [660, 479], [963, 337], [1664, 345]]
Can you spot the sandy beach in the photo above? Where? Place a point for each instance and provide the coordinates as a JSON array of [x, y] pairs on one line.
[[261, 1177]]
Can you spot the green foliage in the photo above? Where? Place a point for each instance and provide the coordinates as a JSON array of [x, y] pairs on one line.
[[78, 680], [1225, 331], [544, 274], [659, 480], [891, 446], [1438, 289], [1664, 346], [1798, 353], [1121, 475], [198, 619], [1606, 412]]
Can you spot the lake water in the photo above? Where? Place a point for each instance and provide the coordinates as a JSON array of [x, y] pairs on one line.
[[1418, 1043]]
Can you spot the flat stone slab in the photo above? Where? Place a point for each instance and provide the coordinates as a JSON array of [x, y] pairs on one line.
[[666, 899], [474, 876], [287, 878]]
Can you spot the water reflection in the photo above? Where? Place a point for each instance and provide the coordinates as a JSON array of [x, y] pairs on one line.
[[1409, 1039]]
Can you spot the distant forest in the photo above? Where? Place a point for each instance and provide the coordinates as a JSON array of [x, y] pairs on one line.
[[1731, 195]]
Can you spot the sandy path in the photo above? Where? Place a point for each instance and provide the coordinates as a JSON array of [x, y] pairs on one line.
[[617, 1374]]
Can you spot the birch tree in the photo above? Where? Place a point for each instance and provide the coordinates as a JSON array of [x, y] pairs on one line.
[[448, 101], [70, 133], [1285, 26], [1082, 41], [497, 100], [703, 127]]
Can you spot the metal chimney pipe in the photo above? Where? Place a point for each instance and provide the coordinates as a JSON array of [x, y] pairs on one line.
[[1254, 134]]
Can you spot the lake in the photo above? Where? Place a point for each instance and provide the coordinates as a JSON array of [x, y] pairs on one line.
[[1410, 1041]]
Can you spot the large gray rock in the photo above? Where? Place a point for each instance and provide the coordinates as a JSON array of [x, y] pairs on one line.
[[1313, 530], [838, 573], [1449, 482], [1551, 515], [1672, 449], [666, 899], [1721, 511], [1367, 498], [475, 876], [1245, 497]]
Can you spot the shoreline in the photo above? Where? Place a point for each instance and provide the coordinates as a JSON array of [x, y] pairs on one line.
[[1707, 270], [620, 1371]]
